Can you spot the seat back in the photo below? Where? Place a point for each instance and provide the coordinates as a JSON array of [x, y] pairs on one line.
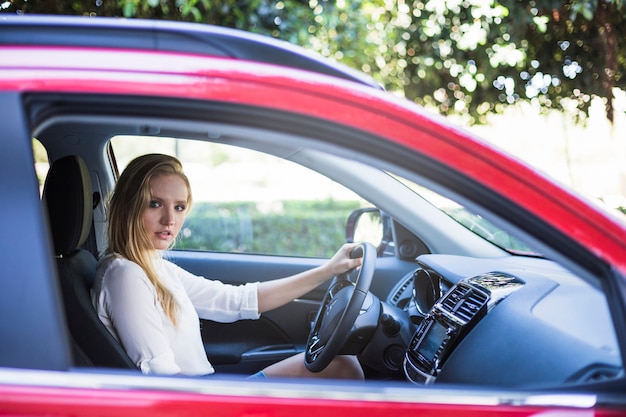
[[69, 199]]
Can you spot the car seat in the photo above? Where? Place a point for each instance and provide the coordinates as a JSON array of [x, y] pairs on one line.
[[69, 200]]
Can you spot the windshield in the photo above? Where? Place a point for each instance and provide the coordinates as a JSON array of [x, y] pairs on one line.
[[474, 222]]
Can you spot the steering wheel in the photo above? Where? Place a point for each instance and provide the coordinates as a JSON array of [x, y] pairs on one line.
[[339, 310]]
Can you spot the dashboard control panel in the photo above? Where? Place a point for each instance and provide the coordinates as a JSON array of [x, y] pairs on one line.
[[443, 327]]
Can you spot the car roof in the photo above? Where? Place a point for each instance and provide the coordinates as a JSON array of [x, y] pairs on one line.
[[169, 36]]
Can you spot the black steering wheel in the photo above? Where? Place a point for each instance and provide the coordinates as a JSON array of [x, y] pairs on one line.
[[339, 310]]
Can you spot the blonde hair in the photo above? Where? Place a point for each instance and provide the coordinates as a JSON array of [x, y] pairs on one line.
[[127, 234]]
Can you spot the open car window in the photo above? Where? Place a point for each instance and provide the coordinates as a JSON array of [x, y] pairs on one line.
[[448, 316]]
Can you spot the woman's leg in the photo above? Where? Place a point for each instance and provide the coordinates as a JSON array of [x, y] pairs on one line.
[[342, 367]]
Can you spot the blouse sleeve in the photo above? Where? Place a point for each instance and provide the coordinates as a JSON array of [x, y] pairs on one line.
[[130, 300], [214, 300]]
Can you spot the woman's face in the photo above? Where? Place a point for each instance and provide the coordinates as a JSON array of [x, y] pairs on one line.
[[167, 210]]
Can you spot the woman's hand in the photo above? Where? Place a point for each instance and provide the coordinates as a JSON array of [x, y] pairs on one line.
[[278, 292], [341, 261]]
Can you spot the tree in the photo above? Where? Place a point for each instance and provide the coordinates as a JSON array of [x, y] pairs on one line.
[[475, 57], [464, 57]]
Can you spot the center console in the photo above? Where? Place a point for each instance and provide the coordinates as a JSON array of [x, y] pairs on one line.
[[443, 328]]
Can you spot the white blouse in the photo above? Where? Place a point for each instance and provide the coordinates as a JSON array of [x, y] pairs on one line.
[[127, 304]]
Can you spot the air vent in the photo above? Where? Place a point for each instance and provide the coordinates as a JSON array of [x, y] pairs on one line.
[[402, 289], [464, 302], [599, 373]]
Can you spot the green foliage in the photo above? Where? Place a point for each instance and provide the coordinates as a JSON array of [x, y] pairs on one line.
[[299, 228], [462, 57], [473, 58]]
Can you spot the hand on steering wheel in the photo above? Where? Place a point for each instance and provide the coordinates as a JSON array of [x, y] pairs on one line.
[[339, 310]]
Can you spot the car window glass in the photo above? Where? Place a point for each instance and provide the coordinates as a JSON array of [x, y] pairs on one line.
[[250, 202], [470, 220]]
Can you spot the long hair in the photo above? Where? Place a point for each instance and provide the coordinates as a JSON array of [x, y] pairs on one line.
[[127, 234]]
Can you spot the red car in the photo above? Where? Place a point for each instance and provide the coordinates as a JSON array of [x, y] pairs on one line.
[[486, 289]]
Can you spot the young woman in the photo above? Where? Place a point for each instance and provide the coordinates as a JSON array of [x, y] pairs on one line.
[[153, 306]]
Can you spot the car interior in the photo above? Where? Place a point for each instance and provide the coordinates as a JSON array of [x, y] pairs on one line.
[[444, 304]]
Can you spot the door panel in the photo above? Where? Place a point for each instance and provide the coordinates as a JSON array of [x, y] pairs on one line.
[[29, 306]]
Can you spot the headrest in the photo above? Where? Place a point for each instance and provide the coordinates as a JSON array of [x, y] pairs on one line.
[[68, 195]]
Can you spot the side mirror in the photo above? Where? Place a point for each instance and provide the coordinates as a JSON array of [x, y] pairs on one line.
[[372, 226]]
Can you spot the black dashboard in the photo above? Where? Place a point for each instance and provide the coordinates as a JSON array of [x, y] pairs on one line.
[[507, 322]]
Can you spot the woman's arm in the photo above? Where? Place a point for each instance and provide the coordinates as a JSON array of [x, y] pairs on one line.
[[278, 292]]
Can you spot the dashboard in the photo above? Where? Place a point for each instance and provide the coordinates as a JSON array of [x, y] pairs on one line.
[[506, 322]]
